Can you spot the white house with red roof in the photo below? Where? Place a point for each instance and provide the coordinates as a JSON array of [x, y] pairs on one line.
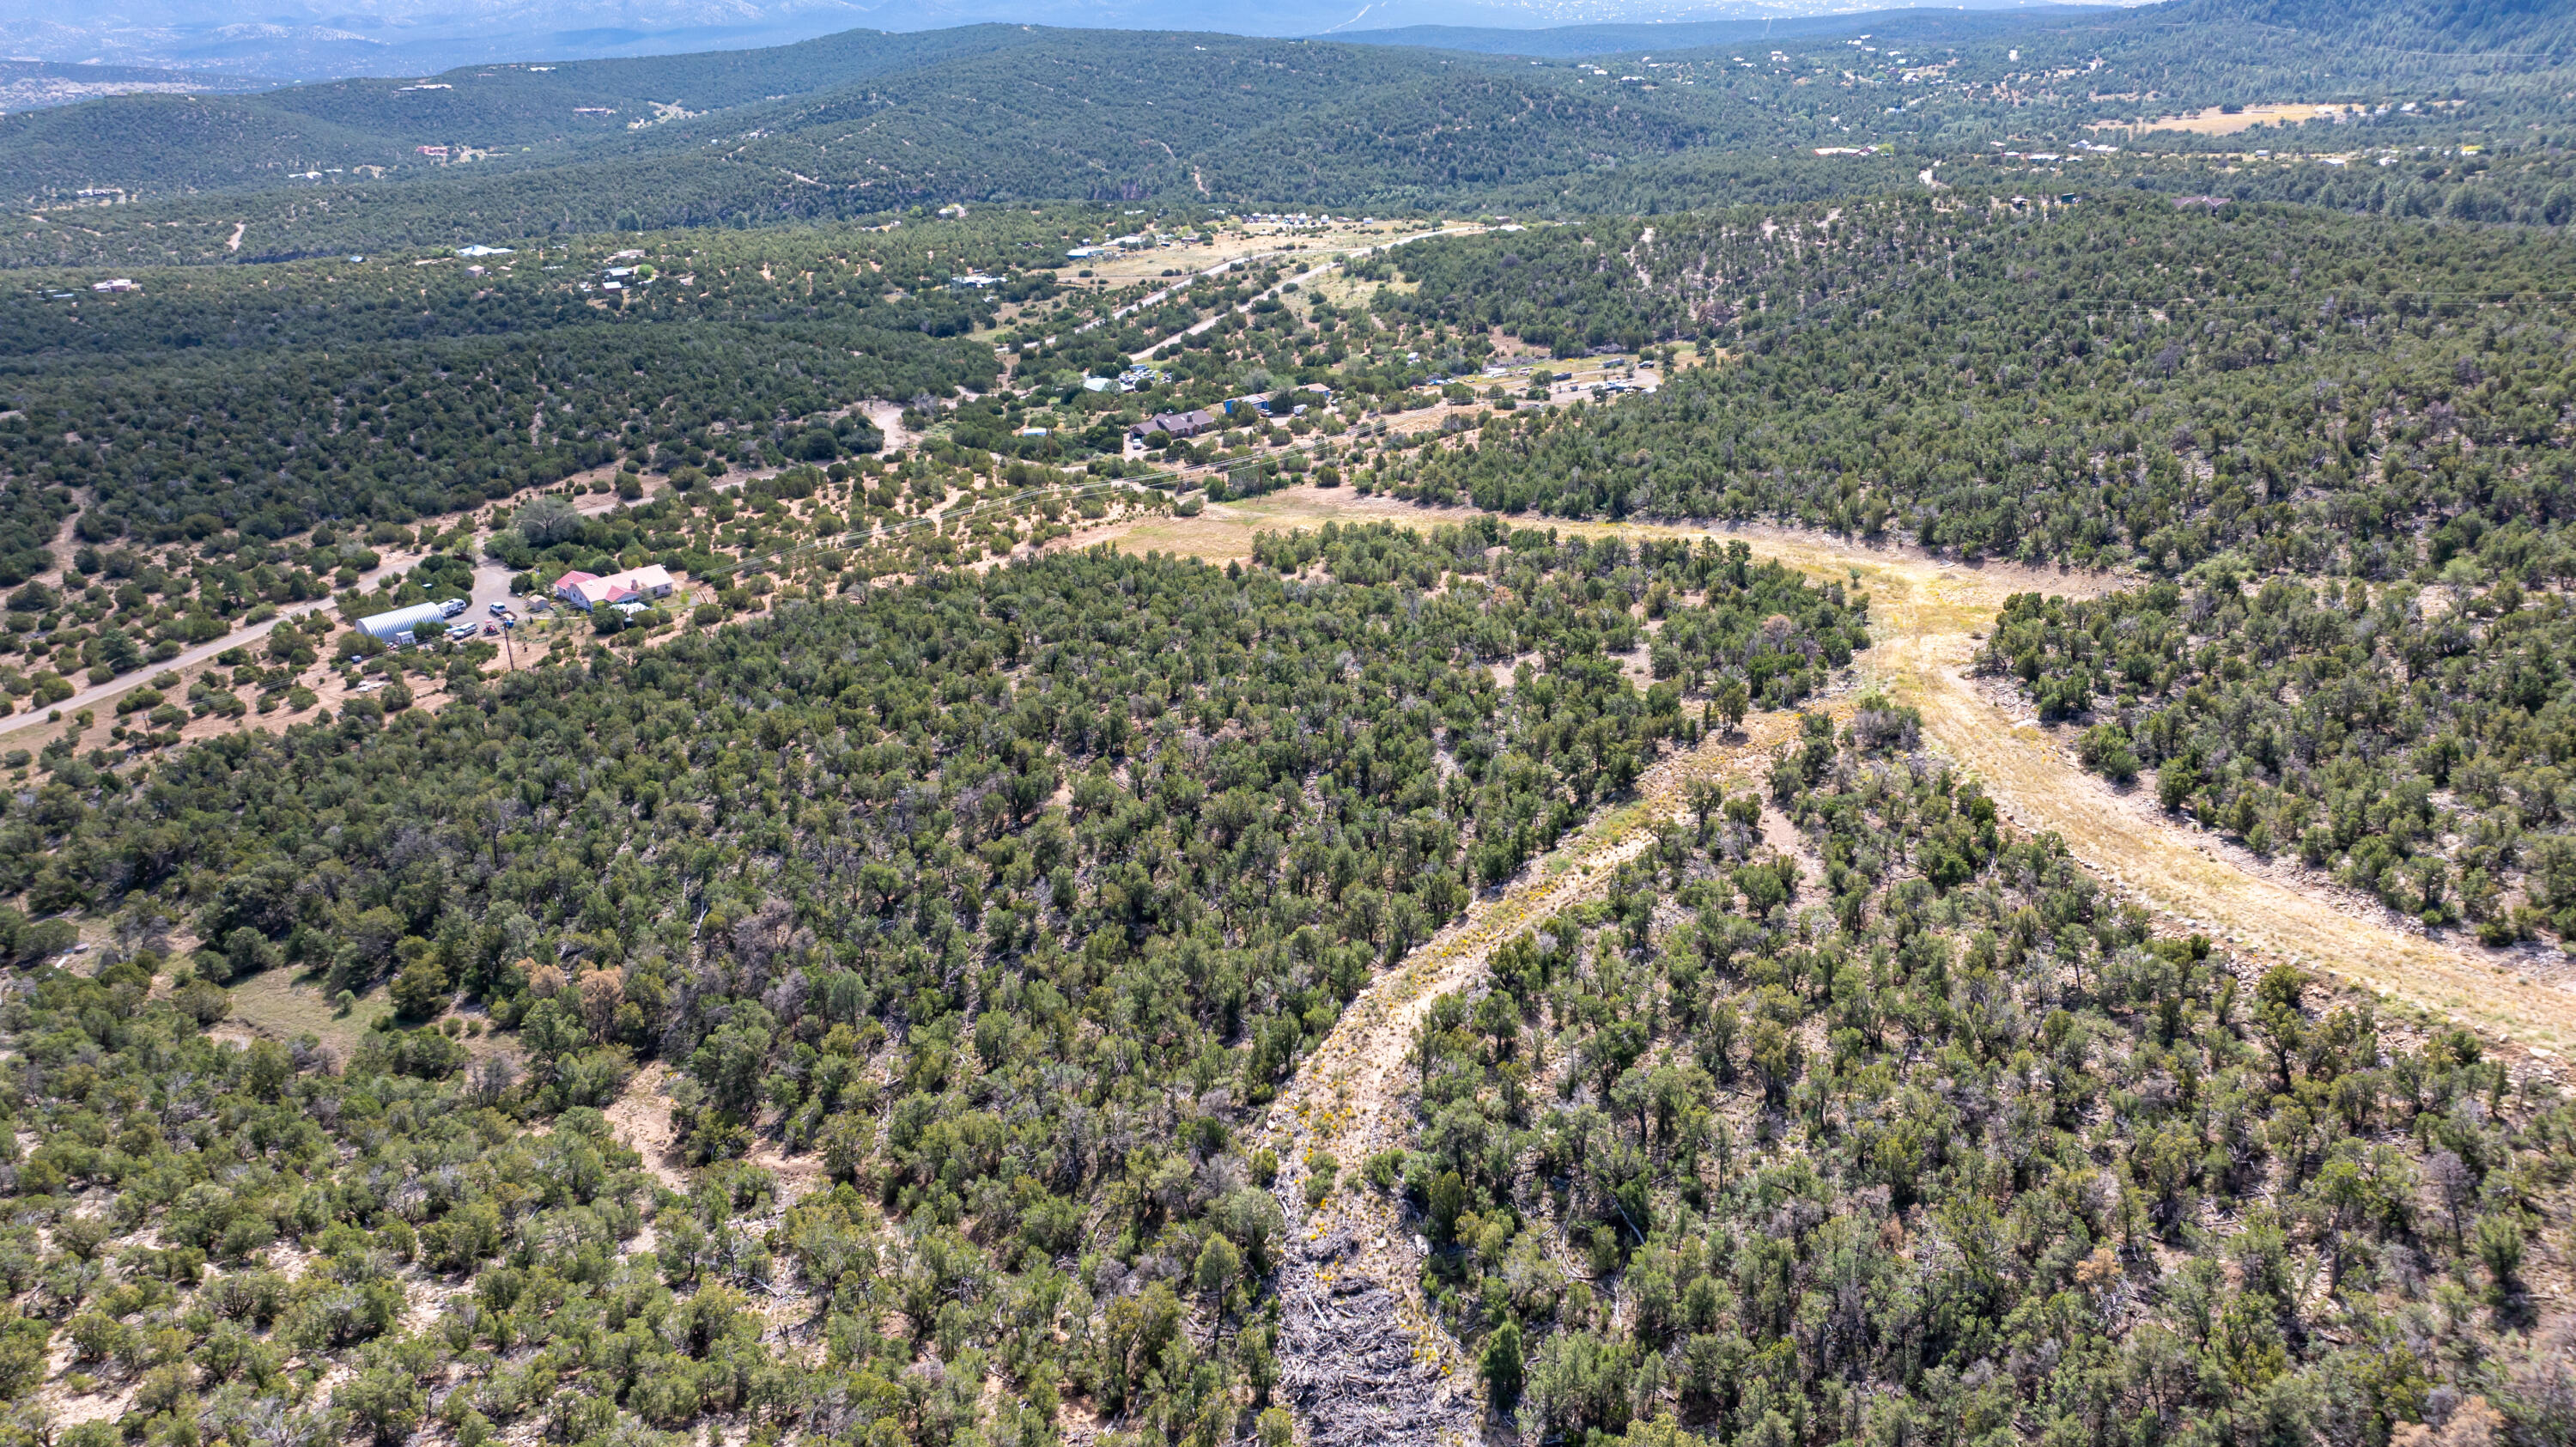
[[636, 585]]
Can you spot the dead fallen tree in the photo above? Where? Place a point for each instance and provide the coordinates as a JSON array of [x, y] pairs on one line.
[[1350, 1366]]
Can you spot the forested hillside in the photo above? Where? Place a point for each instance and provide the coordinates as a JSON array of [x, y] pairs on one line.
[[268, 400], [2392, 173], [196, 142], [2490, 33], [1008, 895], [1905, 1131], [2117, 380], [867, 123], [990, 116], [2412, 743]]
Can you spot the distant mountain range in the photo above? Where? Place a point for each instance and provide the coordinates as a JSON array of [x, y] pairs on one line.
[[309, 39], [1565, 42], [313, 39], [868, 122]]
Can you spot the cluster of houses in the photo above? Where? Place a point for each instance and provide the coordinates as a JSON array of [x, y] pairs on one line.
[[629, 591], [1117, 244]]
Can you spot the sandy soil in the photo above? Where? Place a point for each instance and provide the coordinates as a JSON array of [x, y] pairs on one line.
[[641, 1119], [2219, 123], [1237, 246]]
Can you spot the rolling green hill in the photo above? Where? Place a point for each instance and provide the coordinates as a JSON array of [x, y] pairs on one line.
[[867, 122], [169, 143], [2489, 30], [983, 114], [1576, 42], [1002, 115]]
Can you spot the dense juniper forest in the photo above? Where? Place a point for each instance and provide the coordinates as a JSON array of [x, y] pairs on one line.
[[272, 398], [2344, 444], [1908, 1132], [846, 1002], [1007, 897], [869, 124]]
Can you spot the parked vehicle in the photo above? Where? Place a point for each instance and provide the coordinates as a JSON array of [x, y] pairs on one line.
[[461, 631], [454, 606], [498, 609]]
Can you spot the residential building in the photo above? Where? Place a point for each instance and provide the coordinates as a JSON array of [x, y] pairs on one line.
[[1175, 424], [636, 585]]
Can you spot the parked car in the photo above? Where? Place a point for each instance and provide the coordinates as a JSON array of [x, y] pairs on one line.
[[461, 631], [454, 606], [497, 609]]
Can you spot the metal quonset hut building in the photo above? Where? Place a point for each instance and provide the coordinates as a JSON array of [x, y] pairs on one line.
[[422, 621]]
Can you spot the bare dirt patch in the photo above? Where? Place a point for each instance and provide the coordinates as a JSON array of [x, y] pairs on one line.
[[2217, 122], [641, 1118], [279, 1005]]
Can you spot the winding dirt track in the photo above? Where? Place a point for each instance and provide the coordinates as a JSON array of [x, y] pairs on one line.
[[1926, 619], [1362, 1357], [1364, 1361]]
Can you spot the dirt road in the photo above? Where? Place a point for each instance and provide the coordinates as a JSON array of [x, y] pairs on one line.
[[1363, 1358], [1366, 1362], [1927, 619], [1307, 278]]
